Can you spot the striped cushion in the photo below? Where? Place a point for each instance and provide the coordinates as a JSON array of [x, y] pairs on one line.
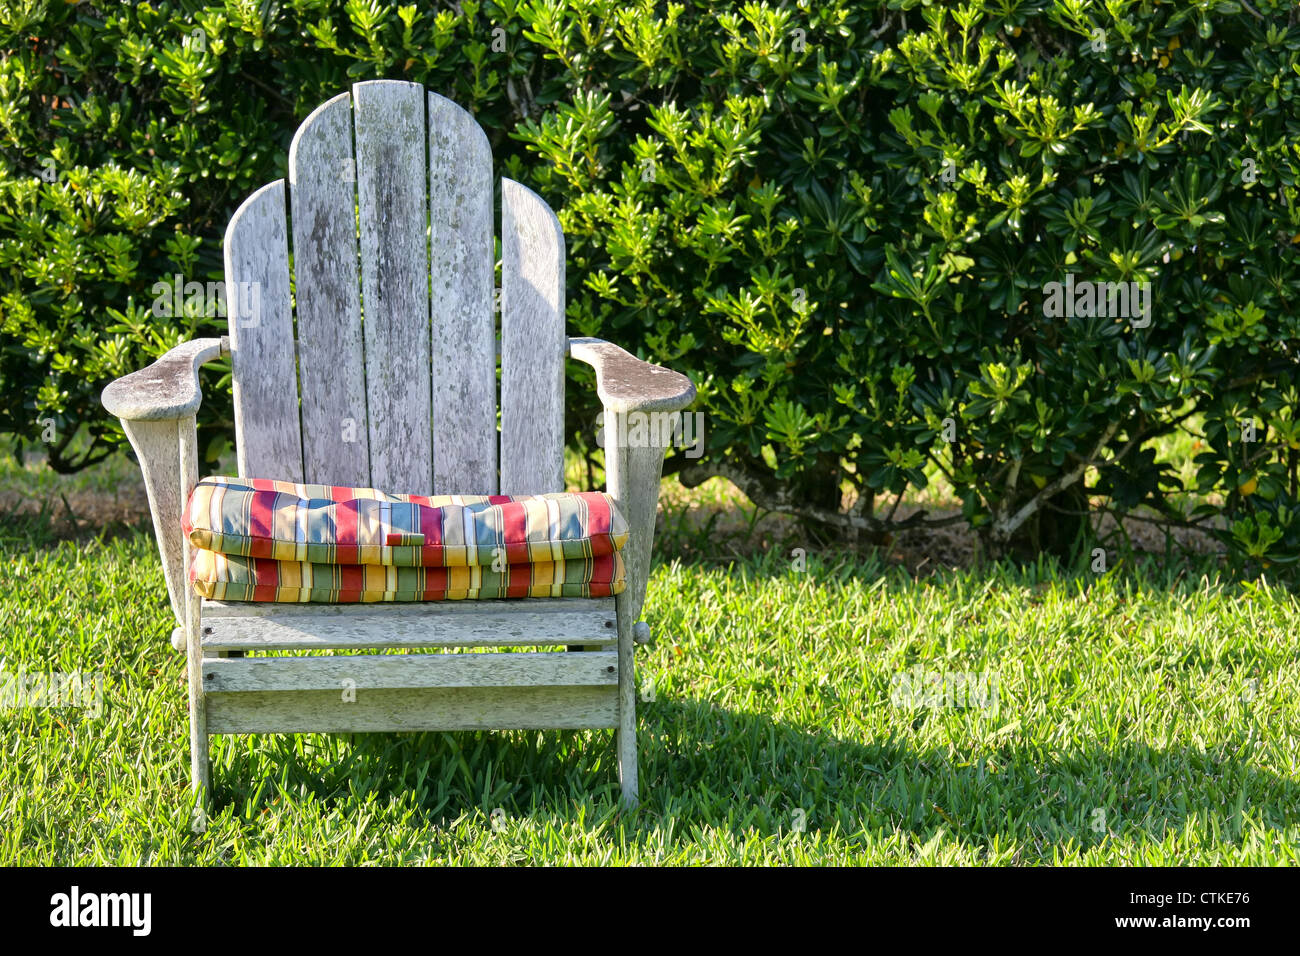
[[264, 540], [224, 577], [325, 524]]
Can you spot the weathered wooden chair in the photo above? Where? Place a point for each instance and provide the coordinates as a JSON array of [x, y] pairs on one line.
[[377, 367]]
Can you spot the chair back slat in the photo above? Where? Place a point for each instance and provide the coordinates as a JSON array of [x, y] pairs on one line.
[[388, 118], [268, 440], [327, 293], [462, 266], [533, 344]]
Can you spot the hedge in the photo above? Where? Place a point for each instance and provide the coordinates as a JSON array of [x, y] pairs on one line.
[[1010, 243]]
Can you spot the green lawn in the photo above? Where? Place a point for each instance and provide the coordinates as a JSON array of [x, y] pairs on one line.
[[1140, 718]]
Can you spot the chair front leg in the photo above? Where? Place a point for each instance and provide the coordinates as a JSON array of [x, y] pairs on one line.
[[632, 472], [200, 768], [168, 454]]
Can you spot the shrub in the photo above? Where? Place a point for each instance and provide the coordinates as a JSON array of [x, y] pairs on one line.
[[844, 219]]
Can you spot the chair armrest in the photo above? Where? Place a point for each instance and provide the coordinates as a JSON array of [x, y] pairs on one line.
[[625, 383], [168, 389], [628, 386]]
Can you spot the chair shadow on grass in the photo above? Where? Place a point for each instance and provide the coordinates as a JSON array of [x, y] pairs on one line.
[[707, 767]]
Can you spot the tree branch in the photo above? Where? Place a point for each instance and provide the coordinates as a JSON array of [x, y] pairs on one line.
[[768, 495], [1004, 527]]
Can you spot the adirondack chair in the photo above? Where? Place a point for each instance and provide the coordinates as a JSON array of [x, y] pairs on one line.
[[377, 368]]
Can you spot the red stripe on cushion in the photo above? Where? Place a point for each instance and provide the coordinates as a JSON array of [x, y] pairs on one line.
[[261, 523], [346, 522], [352, 579], [514, 529], [519, 579], [599, 520], [602, 570], [267, 575]]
